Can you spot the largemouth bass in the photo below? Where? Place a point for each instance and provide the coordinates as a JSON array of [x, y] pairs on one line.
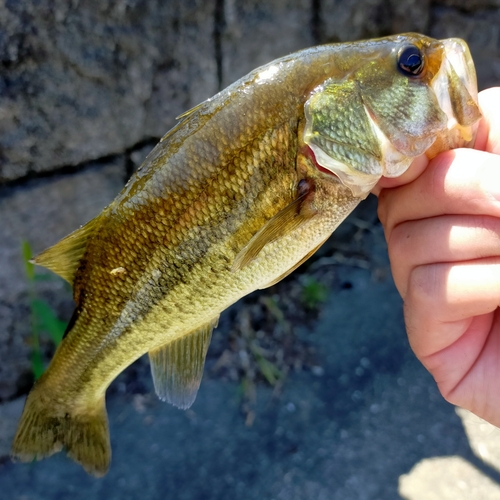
[[245, 188]]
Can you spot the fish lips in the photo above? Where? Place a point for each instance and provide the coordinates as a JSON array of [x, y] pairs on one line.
[[455, 87]]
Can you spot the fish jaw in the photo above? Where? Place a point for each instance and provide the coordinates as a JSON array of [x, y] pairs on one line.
[[455, 87], [440, 113]]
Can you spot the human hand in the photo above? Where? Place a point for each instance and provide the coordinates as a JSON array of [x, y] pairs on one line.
[[442, 226]]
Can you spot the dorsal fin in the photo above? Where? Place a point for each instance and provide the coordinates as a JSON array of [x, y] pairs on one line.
[[177, 367], [192, 110], [64, 257], [182, 118], [284, 222]]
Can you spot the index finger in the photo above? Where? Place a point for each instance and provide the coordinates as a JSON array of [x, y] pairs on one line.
[[488, 134], [461, 181]]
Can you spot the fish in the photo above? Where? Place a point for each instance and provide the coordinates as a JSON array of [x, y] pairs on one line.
[[239, 193]]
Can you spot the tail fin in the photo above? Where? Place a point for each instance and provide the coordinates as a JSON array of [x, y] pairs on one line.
[[44, 429]]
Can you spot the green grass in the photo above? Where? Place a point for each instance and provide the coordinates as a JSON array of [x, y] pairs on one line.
[[314, 293], [43, 320]]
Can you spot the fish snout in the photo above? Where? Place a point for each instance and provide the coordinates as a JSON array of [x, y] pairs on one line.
[[455, 87]]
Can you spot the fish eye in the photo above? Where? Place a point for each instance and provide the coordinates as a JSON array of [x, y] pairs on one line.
[[410, 60]]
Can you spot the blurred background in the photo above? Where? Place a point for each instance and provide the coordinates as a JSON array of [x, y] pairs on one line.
[[310, 388]]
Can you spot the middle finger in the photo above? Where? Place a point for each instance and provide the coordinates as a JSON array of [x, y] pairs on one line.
[[449, 238], [457, 182]]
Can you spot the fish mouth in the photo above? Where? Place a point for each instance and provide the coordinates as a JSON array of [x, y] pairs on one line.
[[455, 87]]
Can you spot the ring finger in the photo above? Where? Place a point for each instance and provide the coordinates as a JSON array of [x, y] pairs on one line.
[[449, 238]]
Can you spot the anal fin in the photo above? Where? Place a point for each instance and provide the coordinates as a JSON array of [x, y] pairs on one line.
[[177, 367]]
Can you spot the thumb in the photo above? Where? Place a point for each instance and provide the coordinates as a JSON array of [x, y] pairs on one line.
[[418, 165]]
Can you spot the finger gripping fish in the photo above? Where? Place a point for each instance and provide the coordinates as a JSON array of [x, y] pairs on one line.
[[246, 187]]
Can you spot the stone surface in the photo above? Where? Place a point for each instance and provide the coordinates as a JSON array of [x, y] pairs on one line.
[[344, 21], [248, 23], [470, 5], [82, 80], [454, 477], [186, 68], [484, 438], [447, 478], [480, 30], [9, 417]]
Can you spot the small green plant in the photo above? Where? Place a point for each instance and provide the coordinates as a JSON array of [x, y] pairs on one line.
[[43, 320], [314, 293], [268, 369]]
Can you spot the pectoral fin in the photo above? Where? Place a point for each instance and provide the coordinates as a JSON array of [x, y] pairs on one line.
[[64, 257], [292, 269], [284, 222], [177, 367]]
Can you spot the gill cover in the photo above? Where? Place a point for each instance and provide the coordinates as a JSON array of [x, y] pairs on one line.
[[391, 108]]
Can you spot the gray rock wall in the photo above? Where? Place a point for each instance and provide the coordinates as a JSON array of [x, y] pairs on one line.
[[81, 80], [87, 80]]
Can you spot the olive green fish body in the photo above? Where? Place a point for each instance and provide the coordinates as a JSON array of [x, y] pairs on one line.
[[232, 199], [176, 253]]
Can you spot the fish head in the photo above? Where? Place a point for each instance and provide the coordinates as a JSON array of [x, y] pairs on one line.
[[401, 97]]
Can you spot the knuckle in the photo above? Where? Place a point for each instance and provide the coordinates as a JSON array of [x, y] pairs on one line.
[[438, 171], [399, 242], [382, 210], [427, 287], [487, 223]]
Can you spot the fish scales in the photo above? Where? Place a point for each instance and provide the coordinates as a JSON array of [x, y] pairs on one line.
[[176, 245], [241, 191]]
